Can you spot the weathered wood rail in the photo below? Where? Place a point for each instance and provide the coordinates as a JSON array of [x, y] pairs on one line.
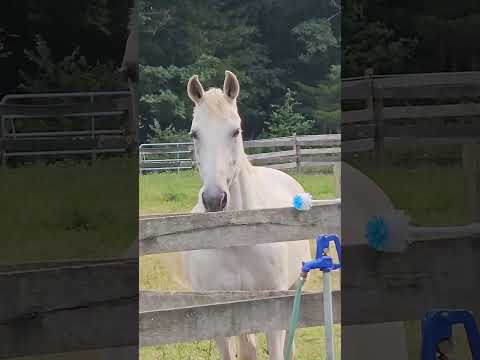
[[44, 310], [205, 316], [160, 234]]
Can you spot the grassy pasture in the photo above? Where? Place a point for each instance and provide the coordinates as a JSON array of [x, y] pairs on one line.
[[68, 210]]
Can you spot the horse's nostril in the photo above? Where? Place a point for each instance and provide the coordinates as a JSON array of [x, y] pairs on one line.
[[223, 201], [214, 202]]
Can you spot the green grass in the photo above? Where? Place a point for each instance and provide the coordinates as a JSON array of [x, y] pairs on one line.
[[67, 210], [164, 193], [431, 195], [310, 345]]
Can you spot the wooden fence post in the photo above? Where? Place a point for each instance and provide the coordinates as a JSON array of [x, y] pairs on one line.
[[131, 133], [471, 171], [379, 148], [3, 144], [337, 175], [296, 149]]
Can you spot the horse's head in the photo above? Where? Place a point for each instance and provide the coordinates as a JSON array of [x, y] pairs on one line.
[[217, 136]]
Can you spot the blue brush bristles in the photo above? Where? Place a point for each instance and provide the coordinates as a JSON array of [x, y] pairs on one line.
[[302, 201], [377, 232]]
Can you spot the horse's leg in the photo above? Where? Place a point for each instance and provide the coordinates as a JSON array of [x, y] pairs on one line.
[[226, 348], [247, 347], [275, 341]]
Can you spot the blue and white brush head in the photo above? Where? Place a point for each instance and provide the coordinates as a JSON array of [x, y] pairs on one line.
[[388, 232], [302, 201]]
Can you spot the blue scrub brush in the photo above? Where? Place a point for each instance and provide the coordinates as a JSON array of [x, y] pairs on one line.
[[303, 201], [388, 232]]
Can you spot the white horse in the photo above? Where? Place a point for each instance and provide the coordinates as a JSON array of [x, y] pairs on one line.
[[230, 182]]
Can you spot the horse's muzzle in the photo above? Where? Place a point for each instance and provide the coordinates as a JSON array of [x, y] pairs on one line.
[[215, 200]]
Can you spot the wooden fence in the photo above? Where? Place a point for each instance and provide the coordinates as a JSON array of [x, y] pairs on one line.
[[88, 135], [405, 282], [196, 316], [292, 153], [410, 109], [40, 301]]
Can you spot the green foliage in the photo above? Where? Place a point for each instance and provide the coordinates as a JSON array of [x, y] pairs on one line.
[[3, 52], [216, 36], [71, 72], [285, 120], [371, 44], [323, 101], [316, 35], [168, 134]]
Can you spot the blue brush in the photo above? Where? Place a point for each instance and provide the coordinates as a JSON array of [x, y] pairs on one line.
[[388, 232], [303, 201]]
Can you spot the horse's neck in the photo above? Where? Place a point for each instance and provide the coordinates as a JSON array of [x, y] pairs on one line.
[[243, 189]]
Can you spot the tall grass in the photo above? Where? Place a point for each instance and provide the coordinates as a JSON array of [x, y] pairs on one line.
[[68, 210]]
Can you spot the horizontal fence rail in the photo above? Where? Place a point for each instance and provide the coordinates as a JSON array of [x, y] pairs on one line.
[[306, 151], [235, 228], [206, 316], [43, 311]]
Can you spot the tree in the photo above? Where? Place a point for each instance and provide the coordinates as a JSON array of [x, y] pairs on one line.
[[286, 121], [71, 72], [322, 101], [213, 37]]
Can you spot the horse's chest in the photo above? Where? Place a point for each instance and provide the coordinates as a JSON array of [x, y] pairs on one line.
[[260, 267]]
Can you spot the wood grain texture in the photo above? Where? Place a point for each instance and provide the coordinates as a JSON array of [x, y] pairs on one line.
[[67, 306], [235, 228], [471, 171], [215, 315], [381, 287]]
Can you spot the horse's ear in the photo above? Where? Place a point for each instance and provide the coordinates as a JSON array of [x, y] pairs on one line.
[[231, 87], [195, 89]]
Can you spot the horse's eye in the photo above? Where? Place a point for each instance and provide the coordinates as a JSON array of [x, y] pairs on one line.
[[236, 133], [194, 135]]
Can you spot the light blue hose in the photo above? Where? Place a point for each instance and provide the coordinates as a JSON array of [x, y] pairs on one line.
[[295, 316]]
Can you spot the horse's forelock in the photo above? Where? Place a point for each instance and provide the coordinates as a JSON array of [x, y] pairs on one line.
[[216, 102]]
